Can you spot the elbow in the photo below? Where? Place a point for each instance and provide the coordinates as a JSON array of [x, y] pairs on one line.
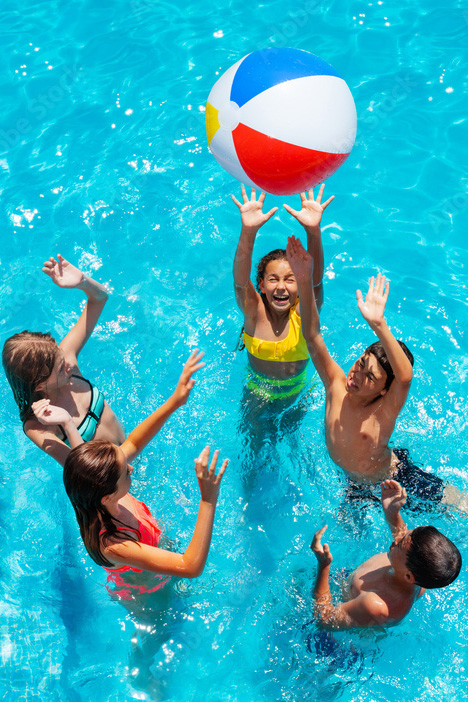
[[194, 571]]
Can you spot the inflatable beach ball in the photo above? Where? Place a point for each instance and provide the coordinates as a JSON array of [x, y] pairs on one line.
[[281, 120]]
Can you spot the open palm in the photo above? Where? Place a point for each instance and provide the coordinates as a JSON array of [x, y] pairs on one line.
[[373, 307], [63, 273]]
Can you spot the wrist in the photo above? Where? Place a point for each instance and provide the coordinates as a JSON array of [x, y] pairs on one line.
[[249, 231], [312, 230], [92, 289]]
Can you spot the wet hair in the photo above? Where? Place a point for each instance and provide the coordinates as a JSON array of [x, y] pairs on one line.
[[91, 472], [377, 350], [28, 360], [276, 255], [433, 559]]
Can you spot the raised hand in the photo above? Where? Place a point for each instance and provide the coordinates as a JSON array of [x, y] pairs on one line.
[[252, 214], [393, 497], [208, 481], [322, 553], [186, 382], [299, 259], [373, 307], [310, 214], [49, 414], [63, 273]]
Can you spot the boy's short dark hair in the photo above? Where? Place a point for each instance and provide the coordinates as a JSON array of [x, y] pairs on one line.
[[378, 351], [433, 559]]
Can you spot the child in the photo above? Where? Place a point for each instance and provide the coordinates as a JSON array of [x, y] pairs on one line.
[[362, 407], [272, 328], [118, 531], [383, 589], [37, 368]]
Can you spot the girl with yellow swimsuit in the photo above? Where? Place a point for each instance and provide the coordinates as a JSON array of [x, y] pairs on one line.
[[272, 332]]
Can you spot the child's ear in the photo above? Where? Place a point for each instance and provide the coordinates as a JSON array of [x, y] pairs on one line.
[[409, 577], [105, 500], [262, 286], [384, 392]]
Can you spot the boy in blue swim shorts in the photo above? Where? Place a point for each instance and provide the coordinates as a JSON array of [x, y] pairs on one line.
[[363, 406]]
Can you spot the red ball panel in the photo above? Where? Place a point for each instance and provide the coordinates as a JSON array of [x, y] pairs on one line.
[[281, 168]]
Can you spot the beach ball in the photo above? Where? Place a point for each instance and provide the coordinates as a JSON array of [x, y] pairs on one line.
[[281, 119]]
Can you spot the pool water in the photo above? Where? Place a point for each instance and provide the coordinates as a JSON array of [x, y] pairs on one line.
[[103, 159]]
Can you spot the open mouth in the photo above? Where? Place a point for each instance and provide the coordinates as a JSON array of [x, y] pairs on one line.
[[281, 299]]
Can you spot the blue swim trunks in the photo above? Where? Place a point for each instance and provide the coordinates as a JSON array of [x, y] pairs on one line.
[[417, 483]]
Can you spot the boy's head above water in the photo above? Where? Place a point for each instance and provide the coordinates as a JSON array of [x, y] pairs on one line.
[[371, 375], [276, 281], [431, 558]]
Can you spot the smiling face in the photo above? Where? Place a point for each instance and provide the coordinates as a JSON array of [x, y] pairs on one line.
[[366, 378], [279, 285]]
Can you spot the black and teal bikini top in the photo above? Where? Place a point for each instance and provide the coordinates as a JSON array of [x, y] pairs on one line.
[[87, 427]]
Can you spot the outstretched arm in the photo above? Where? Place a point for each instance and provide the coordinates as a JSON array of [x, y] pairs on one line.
[[364, 611], [393, 499], [252, 218], [302, 264], [191, 563], [147, 430], [66, 275], [372, 309], [310, 216]]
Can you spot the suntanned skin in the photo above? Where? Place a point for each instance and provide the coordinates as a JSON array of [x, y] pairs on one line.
[[382, 590], [267, 317], [360, 414], [60, 389], [130, 552]]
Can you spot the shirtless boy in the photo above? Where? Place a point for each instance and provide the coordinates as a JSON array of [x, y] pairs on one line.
[[383, 589], [362, 407]]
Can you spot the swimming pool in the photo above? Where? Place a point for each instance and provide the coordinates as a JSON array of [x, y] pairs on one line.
[[104, 159]]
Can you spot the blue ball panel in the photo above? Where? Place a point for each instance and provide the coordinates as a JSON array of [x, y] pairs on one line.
[[265, 68]]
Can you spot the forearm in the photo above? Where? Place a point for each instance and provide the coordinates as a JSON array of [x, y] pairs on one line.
[[73, 435], [147, 430], [395, 523], [94, 291], [399, 362], [315, 248], [243, 258], [323, 607], [310, 319], [197, 551]]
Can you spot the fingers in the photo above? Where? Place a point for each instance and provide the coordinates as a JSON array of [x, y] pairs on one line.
[[244, 194], [270, 213], [201, 463], [261, 199], [213, 463], [223, 468], [327, 202], [236, 201], [292, 212], [320, 193], [359, 298], [253, 195]]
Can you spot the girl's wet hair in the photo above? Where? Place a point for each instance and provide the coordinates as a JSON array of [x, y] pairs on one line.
[[276, 255], [28, 359], [91, 472]]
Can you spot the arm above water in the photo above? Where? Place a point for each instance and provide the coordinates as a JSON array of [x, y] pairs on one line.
[[40, 431], [310, 216], [372, 309], [149, 427], [364, 611], [191, 563], [252, 218], [66, 275], [301, 263]]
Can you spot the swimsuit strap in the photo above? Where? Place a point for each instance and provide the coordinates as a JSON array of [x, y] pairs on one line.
[[88, 425]]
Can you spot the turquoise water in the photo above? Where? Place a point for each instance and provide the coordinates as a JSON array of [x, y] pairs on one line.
[[104, 159]]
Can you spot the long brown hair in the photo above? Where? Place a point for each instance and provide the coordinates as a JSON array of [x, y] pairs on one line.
[[28, 359], [91, 472]]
